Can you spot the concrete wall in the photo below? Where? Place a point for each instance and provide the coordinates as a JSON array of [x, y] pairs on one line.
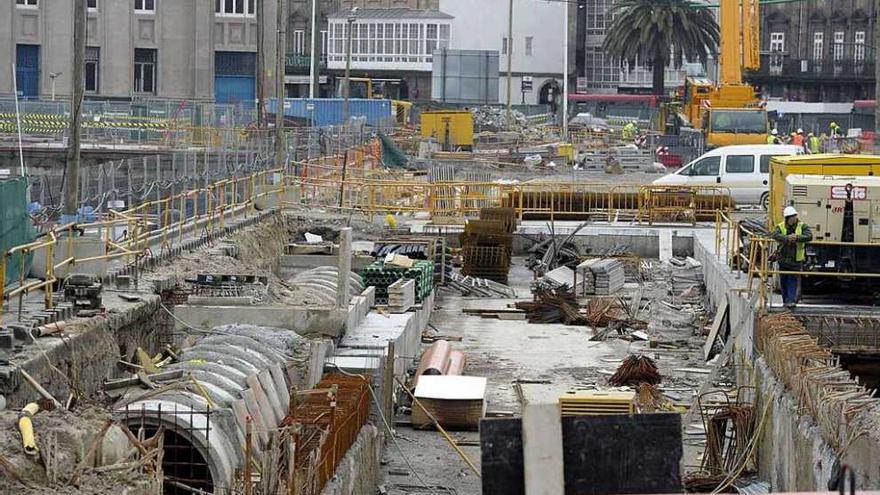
[[792, 453], [185, 34], [358, 472]]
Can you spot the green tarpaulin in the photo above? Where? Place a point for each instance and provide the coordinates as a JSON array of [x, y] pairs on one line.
[[16, 227], [392, 156]]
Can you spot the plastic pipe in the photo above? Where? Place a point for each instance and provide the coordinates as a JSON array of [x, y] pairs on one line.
[[26, 427]]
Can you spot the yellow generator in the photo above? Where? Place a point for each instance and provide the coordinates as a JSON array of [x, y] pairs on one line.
[[838, 196], [453, 129]]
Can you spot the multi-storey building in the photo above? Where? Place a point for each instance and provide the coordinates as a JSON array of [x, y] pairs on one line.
[[817, 51], [173, 49], [599, 73]]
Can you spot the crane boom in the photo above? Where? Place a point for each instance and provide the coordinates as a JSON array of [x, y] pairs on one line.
[[740, 39]]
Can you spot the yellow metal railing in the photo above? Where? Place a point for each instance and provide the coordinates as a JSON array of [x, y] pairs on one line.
[[143, 225]]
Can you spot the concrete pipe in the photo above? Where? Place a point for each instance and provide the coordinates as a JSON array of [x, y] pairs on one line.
[[241, 370]]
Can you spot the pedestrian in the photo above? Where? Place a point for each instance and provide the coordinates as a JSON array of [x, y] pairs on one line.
[[792, 236], [813, 144], [773, 138], [797, 138]]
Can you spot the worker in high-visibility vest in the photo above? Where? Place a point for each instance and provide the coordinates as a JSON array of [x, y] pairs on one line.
[[835, 129], [792, 236], [797, 138], [630, 130], [813, 144], [773, 138]]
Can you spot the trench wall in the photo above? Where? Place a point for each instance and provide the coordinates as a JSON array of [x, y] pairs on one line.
[[792, 454]]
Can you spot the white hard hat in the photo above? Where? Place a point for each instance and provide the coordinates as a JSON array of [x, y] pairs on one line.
[[800, 131], [774, 132], [789, 212]]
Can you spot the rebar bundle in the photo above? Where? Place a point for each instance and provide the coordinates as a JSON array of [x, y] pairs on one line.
[[635, 370]]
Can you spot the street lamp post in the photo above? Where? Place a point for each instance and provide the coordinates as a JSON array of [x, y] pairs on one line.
[[346, 90], [565, 75]]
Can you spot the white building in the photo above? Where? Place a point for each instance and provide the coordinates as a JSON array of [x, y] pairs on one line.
[[537, 42], [390, 43]]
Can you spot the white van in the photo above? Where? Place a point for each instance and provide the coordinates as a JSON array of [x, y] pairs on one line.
[[744, 169]]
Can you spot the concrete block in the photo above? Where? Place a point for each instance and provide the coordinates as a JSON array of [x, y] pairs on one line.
[[542, 448]]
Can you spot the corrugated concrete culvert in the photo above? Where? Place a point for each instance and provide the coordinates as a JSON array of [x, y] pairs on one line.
[[322, 282], [236, 372]]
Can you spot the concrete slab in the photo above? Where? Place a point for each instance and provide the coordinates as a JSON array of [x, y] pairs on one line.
[[269, 417], [377, 329], [542, 446], [304, 321], [268, 384], [254, 411], [665, 245]]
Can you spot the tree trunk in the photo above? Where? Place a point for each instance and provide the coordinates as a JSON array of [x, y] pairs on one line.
[[659, 71]]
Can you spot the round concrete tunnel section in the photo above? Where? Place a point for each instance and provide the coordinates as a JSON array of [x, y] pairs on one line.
[[238, 371]]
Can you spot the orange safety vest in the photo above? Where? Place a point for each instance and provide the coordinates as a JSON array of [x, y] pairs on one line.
[[797, 140]]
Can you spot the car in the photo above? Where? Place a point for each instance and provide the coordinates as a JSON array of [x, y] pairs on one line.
[[744, 169]]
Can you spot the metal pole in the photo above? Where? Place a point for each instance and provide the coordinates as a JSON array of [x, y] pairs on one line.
[[347, 81], [565, 77], [18, 123], [280, 49], [313, 70], [876, 79], [71, 190], [509, 59], [261, 65]]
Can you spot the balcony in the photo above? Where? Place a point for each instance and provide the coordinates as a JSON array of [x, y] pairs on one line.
[[296, 63], [845, 67]]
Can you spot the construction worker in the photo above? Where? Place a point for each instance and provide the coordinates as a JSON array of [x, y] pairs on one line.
[[797, 138], [630, 130], [792, 236], [835, 129], [813, 144], [773, 138]]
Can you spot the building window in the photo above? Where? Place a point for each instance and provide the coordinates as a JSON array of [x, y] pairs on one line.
[[839, 36], [92, 5], [597, 16], [777, 42], [859, 49], [299, 42], [145, 6], [601, 71], [26, 3], [401, 41], [504, 46], [324, 45], [529, 46], [144, 70], [235, 7], [818, 45], [93, 73]]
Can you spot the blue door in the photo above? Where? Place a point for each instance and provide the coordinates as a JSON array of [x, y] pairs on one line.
[[235, 77], [27, 71]]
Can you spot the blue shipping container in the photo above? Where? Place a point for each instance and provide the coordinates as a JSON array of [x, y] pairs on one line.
[[328, 111]]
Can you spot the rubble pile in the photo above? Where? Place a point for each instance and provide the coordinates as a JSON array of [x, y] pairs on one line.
[[489, 118]]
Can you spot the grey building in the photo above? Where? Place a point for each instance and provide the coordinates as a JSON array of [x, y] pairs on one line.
[[166, 49], [817, 51]]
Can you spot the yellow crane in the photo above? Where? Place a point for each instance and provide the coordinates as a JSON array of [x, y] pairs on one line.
[[730, 112]]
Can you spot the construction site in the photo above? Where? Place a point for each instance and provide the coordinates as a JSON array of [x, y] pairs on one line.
[[349, 296]]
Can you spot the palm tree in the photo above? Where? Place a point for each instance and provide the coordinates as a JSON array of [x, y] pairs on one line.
[[661, 31]]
